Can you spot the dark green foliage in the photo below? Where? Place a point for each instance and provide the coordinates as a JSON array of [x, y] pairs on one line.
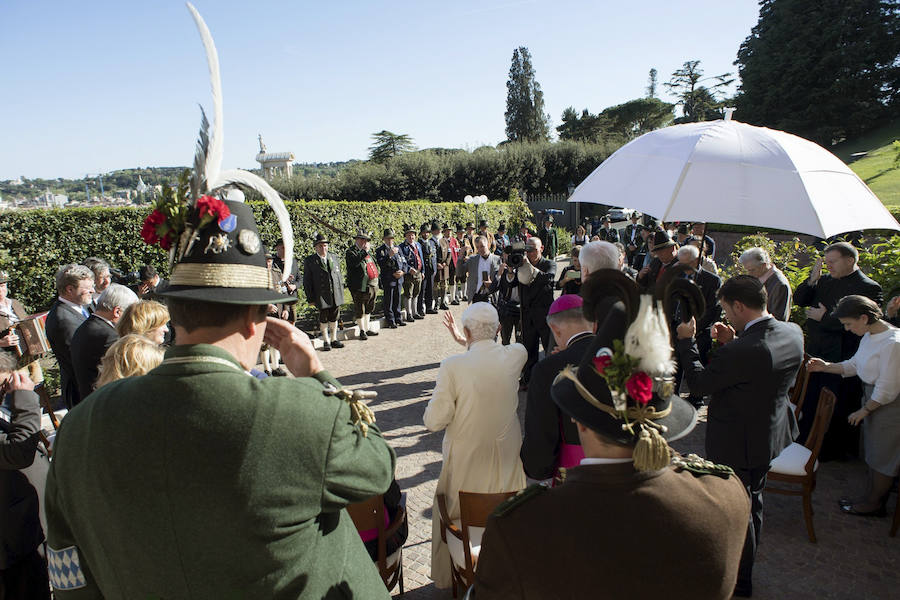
[[651, 84], [697, 102], [525, 117], [388, 145], [584, 128], [823, 70], [450, 176], [37, 242], [616, 124]]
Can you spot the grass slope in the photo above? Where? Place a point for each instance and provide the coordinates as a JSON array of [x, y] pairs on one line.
[[876, 168]]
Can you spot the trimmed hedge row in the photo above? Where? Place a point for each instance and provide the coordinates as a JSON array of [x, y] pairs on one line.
[[33, 244]]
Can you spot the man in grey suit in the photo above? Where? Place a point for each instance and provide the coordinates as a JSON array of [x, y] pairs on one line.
[[481, 268], [748, 378], [757, 263], [75, 285]]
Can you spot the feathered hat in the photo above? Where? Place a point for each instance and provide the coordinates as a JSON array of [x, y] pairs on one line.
[[215, 253]]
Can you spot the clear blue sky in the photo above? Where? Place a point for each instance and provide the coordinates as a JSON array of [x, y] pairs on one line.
[[94, 86]]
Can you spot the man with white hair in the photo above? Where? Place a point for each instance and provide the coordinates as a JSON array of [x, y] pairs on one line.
[[94, 337], [475, 401], [757, 263], [75, 284], [598, 255]]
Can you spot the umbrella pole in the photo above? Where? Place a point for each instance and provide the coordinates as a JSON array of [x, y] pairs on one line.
[[702, 245]]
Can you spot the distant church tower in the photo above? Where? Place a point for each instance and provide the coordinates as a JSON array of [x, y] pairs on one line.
[[274, 163]]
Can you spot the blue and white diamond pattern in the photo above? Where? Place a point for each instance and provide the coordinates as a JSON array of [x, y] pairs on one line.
[[64, 568]]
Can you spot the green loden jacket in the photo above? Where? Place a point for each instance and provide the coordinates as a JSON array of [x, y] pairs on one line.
[[198, 480], [357, 279]]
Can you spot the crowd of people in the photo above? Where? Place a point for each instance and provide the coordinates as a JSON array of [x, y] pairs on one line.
[[593, 433]]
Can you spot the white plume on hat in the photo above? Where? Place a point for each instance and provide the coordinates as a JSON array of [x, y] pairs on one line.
[[208, 176], [647, 339]]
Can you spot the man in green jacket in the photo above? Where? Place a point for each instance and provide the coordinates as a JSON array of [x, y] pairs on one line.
[[362, 281], [198, 480]]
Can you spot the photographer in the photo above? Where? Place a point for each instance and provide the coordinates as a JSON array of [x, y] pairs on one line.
[[536, 277], [507, 288], [481, 268]]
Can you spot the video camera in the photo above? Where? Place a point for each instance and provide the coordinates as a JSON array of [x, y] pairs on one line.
[[123, 278], [515, 254]]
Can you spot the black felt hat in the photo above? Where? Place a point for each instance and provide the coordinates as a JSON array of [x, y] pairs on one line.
[[661, 240], [362, 234], [445, 227], [320, 239], [424, 228], [482, 223], [388, 233], [584, 394], [459, 227], [605, 219], [227, 267], [408, 228], [469, 225], [434, 226], [501, 226]]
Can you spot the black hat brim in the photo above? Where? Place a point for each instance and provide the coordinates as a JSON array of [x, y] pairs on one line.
[[223, 295]]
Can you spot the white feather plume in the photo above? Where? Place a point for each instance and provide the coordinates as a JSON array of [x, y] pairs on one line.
[[255, 182], [216, 137], [647, 339]]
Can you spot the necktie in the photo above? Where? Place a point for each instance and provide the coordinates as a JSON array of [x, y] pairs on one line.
[[85, 312], [418, 259]]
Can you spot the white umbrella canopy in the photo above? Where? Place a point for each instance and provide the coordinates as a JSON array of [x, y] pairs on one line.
[[730, 172]]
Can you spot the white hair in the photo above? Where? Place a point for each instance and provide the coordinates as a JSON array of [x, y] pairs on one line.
[[599, 255], [689, 252], [481, 320], [116, 296], [758, 255]]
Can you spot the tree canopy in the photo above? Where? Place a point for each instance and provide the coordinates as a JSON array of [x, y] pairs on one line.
[[697, 102], [388, 145], [616, 124], [525, 117], [823, 70]]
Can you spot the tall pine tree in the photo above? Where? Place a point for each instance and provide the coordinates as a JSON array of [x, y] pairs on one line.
[[824, 70], [525, 117]]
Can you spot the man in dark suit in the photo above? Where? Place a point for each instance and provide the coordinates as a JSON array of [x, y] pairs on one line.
[[292, 281], [393, 266], [429, 258], [549, 242], [75, 285], [537, 277], [631, 238], [324, 289], [551, 440], [748, 378], [94, 337], [663, 249], [149, 282], [709, 284], [827, 339], [607, 233], [23, 570], [414, 276]]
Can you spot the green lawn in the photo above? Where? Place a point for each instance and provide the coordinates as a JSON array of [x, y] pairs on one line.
[[876, 168]]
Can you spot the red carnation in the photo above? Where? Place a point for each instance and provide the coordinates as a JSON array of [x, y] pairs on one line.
[[601, 362], [212, 207], [148, 231], [640, 387]]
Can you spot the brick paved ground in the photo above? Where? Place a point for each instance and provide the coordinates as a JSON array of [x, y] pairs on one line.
[[854, 557]]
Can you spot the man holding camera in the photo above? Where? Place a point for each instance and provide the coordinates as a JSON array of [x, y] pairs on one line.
[[482, 268], [536, 276]]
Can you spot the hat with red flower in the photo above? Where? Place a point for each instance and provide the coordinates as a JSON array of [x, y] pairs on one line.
[[622, 389], [215, 252]]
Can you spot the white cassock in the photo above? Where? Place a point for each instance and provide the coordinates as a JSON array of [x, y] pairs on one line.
[[475, 398]]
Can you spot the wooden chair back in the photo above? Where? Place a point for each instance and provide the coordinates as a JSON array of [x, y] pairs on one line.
[[44, 396], [369, 514], [820, 425], [474, 510], [798, 391]]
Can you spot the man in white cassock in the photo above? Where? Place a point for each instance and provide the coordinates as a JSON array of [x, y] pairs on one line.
[[475, 399]]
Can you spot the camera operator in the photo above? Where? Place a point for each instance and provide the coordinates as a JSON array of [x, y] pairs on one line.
[[536, 277], [507, 288]]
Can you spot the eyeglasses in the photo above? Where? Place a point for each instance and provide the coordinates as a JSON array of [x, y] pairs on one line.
[[530, 249]]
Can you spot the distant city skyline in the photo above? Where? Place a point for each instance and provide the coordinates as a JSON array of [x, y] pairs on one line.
[[99, 86]]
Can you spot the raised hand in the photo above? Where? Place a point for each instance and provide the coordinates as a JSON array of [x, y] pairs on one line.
[[295, 346]]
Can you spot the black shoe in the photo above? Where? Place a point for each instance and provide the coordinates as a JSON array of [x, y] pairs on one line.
[[326, 347], [279, 372], [455, 302], [848, 509], [696, 401], [362, 336], [337, 344], [370, 333], [419, 317], [393, 325], [444, 306], [743, 590], [431, 311], [401, 323], [268, 373]]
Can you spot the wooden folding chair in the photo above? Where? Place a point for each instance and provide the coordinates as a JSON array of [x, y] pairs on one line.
[[797, 464], [370, 514], [798, 391], [464, 541]]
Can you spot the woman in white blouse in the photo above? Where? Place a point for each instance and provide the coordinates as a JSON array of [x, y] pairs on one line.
[[877, 364]]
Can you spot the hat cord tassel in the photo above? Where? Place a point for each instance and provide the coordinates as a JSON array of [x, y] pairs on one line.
[[651, 452]]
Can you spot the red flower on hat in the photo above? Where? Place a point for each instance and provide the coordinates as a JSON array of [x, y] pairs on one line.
[[640, 387], [601, 362], [149, 230], [211, 209]]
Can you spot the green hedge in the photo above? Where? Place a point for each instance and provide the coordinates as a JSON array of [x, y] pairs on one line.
[[35, 243]]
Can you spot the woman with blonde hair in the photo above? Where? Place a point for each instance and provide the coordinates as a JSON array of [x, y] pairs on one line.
[[131, 355], [148, 318]]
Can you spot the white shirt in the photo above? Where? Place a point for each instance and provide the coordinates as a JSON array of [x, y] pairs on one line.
[[76, 307], [755, 321], [877, 362], [576, 335], [605, 461], [7, 311], [484, 265]]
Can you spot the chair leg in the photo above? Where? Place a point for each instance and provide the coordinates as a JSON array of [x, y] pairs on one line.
[[453, 589], [401, 576], [808, 513], [896, 523]]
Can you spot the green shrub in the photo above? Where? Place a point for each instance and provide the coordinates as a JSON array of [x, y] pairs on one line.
[[563, 239], [37, 242]]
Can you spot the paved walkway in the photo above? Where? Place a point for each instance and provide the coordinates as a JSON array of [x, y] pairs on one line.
[[854, 557]]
